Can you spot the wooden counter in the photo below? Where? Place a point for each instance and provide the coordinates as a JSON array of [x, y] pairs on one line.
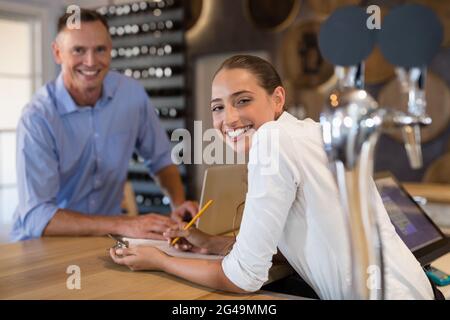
[[36, 269], [433, 192], [437, 201]]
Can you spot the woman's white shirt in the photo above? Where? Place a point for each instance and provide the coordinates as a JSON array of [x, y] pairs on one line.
[[293, 204]]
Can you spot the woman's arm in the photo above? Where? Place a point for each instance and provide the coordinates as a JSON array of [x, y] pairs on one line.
[[208, 273], [204, 272]]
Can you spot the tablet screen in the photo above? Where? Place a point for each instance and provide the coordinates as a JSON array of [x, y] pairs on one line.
[[410, 222]]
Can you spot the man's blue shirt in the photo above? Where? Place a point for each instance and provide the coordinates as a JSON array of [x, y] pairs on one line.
[[77, 158]]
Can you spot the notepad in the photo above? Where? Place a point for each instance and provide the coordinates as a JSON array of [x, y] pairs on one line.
[[171, 251]]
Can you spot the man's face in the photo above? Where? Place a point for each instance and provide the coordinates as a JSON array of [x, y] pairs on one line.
[[84, 55]]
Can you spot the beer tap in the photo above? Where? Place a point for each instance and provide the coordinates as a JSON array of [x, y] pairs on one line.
[[352, 122], [411, 55]]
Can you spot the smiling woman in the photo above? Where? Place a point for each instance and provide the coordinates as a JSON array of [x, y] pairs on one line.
[[294, 209], [254, 98]]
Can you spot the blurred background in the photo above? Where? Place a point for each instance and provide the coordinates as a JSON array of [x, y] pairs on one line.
[[173, 47]]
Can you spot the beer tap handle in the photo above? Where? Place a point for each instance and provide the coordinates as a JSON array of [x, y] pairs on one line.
[[411, 55]]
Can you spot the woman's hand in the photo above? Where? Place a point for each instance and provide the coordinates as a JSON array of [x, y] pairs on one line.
[[190, 240], [139, 258], [197, 241]]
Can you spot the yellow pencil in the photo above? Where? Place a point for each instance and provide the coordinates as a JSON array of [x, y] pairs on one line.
[[194, 219]]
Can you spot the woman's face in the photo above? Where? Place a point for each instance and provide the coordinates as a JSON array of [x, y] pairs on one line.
[[239, 106]]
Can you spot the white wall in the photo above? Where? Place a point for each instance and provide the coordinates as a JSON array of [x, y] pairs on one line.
[[49, 11], [27, 29]]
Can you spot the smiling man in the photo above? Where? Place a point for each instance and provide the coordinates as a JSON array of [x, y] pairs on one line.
[[75, 139]]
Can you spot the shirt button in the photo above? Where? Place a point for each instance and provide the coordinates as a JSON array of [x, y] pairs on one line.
[[96, 135]]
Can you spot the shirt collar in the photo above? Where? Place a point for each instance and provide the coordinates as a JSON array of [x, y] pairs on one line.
[[285, 116], [66, 104]]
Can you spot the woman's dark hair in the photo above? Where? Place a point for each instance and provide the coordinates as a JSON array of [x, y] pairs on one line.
[[86, 15], [266, 74]]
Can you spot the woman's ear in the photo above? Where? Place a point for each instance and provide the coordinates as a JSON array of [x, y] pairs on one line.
[[279, 99]]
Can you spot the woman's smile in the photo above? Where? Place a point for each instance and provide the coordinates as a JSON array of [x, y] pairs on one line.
[[235, 134]]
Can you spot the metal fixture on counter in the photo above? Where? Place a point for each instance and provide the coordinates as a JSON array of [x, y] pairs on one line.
[[352, 121]]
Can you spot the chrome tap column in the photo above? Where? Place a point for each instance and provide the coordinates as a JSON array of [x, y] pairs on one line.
[[413, 84], [352, 122]]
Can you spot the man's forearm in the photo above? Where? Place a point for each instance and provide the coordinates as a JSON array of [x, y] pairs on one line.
[[72, 223], [169, 180]]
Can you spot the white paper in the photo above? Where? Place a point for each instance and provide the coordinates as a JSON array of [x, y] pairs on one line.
[[164, 246]]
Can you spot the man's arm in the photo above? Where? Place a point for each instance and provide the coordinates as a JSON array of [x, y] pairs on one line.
[[154, 146], [72, 223], [169, 180]]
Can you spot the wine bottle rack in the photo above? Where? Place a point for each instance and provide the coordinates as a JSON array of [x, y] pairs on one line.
[[149, 45]]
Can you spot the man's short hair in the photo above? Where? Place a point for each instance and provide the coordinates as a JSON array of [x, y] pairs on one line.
[[86, 15]]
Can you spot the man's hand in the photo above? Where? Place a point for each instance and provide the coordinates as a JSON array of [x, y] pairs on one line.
[[185, 212], [149, 226]]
